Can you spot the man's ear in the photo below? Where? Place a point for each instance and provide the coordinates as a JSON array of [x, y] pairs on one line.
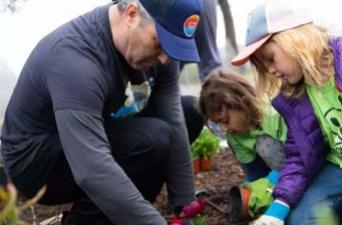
[[132, 14]]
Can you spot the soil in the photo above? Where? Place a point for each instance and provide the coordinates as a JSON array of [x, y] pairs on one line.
[[214, 186]]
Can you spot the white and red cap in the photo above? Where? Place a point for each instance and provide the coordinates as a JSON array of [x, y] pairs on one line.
[[271, 17]]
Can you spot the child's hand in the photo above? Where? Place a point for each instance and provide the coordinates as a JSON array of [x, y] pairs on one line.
[[275, 214], [268, 220], [261, 193]]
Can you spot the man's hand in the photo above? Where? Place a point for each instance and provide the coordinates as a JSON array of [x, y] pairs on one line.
[[176, 221], [183, 215], [187, 222]]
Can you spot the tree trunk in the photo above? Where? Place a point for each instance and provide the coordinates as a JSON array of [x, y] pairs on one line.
[[229, 23]]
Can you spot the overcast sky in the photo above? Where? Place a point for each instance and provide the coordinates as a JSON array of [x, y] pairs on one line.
[[22, 30]]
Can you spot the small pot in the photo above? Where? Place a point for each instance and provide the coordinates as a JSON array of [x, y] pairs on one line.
[[238, 204], [196, 165], [206, 164]]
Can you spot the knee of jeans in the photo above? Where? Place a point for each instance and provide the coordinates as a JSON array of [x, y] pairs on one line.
[[302, 216], [295, 217]]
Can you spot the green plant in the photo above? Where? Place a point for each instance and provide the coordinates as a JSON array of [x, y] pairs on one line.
[[10, 210], [200, 220], [206, 145]]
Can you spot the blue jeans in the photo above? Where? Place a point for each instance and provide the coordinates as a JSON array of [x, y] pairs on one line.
[[326, 189], [255, 169]]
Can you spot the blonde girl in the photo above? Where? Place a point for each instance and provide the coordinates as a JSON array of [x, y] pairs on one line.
[[299, 64]]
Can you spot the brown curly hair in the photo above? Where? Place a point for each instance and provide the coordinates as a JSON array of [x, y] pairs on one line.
[[227, 89]]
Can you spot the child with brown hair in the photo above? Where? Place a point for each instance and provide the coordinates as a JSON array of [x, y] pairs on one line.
[[254, 130], [302, 64]]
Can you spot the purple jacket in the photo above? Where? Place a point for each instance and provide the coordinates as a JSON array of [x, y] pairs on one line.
[[305, 148]]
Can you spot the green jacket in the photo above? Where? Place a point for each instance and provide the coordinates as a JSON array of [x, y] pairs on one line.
[[327, 105], [243, 146]]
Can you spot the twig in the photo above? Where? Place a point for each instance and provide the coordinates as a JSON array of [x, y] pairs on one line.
[[52, 220], [215, 206]]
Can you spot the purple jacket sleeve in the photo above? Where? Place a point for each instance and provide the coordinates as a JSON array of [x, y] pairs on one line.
[[293, 176], [336, 47], [304, 148]]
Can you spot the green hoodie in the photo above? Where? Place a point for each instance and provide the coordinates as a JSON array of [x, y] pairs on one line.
[[327, 105], [244, 145]]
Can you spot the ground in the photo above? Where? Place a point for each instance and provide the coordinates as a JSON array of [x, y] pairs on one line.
[[215, 184]]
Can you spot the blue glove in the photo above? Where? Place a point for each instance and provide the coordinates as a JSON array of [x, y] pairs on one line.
[[278, 209], [275, 214], [273, 177]]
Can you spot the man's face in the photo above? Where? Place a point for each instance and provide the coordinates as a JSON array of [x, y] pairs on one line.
[[143, 48]]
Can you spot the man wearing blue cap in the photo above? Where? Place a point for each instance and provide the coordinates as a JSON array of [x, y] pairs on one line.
[[96, 114]]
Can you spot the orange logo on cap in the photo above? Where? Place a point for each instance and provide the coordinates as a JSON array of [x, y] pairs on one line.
[[190, 25]]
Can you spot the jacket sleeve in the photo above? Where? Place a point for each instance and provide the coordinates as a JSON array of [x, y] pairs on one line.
[[293, 176], [243, 147], [88, 153], [305, 149], [78, 93], [336, 47], [165, 103]]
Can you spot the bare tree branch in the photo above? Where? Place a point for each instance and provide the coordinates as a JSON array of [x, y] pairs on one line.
[[229, 23], [10, 5]]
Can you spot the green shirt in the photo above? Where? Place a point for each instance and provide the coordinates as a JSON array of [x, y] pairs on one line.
[[327, 105], [244, 145]]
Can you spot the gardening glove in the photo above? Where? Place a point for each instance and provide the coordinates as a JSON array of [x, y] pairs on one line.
[[275, 214], [193, 209], [184, 214], [261, 193], [176, 221]]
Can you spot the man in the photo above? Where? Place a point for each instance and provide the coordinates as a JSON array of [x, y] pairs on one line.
[[96, 113]]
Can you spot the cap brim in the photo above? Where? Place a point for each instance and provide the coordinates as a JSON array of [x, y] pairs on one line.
[[181, 49], [244, 55]]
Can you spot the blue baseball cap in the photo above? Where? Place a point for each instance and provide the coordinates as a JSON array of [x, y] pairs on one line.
[[176, 23]]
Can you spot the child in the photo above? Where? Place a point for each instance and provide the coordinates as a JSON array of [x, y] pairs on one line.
[[230, 105], [303, 65], [254, 131]]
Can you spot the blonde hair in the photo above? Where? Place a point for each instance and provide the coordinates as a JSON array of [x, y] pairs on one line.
[[308, 46], [225, 88]]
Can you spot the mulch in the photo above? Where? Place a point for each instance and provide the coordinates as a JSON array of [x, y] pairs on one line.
[[214, 186]]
